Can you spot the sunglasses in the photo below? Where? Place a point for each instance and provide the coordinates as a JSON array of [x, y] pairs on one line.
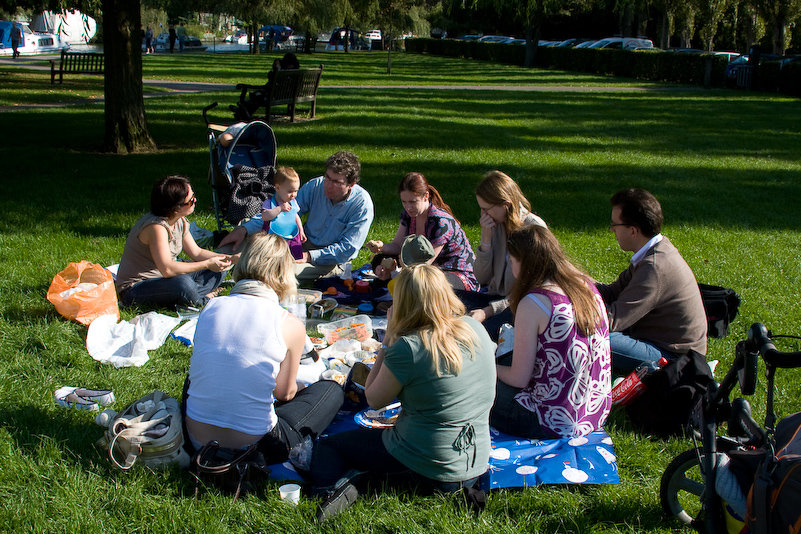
[[192, 200]]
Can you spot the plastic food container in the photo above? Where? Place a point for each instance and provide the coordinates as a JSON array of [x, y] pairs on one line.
[[310, 295], [358, 327]]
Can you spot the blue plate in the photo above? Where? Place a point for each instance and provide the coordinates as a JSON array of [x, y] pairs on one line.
[[380, 421]]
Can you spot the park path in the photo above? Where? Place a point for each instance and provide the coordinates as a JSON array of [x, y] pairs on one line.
[[178, 87]]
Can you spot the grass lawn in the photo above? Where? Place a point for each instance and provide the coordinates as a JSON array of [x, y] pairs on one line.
[[725, 165]]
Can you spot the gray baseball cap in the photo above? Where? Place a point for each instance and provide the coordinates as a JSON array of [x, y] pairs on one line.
[[416, 249]]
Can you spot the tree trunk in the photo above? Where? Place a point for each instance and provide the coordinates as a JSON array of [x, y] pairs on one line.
[[664, 31], [779, 35], [126, 127], [532, 39]]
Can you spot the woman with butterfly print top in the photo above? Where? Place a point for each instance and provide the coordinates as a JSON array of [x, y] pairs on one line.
[[559, 382]]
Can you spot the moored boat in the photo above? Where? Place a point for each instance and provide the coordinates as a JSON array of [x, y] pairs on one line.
[[32, 43]]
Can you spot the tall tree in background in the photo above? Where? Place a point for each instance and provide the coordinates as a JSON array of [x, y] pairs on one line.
[[667, 20], [125, 124], [779, 14], [709, 15], [632, 16]]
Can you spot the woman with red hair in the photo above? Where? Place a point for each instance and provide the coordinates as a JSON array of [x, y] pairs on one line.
[[425, 213]]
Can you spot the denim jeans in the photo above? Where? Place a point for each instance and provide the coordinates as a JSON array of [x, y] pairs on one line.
[[474, 299], [509, 416], [628, 353], [183, 290], [308, 414], [363, 450]]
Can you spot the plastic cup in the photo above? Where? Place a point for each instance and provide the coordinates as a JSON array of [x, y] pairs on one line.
[[290, 493]]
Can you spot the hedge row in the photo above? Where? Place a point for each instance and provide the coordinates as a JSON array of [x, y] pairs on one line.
[[652, 65]]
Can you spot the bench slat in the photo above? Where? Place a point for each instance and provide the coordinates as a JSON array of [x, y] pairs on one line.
[[77, 63]]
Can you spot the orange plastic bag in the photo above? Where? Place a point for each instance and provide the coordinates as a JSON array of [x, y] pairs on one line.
[[83, 292]]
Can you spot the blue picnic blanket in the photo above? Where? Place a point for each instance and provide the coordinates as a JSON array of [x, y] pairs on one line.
[[520, 463]]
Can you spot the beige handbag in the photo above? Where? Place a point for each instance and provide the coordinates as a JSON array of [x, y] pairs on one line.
[[149, 430]]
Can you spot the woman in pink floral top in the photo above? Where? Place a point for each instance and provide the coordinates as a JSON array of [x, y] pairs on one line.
[[425, 213], [559, 382]]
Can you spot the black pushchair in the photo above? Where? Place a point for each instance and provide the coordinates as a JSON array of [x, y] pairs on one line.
[[241, 168]]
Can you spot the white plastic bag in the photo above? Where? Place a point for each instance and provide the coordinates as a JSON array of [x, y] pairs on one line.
[[125, 344]]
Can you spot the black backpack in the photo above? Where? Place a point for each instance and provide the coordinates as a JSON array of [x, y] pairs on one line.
[[775, 497], [671, 393], [721, 306]]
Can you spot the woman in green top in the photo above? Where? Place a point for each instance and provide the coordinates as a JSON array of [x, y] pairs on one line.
[[440, 365]]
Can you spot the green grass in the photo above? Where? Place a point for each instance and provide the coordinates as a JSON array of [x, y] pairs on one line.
[[725, 166]]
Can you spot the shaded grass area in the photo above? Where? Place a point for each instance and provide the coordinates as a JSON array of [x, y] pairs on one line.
[[725, 166]]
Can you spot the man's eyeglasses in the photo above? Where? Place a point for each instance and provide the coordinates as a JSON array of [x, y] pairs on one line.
[[334, 182], [613, 224], [191, 201]]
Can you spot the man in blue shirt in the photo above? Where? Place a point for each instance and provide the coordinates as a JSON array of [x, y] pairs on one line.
[[340, 213]]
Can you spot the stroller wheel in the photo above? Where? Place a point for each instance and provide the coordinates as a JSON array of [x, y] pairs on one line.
[[682, 487]]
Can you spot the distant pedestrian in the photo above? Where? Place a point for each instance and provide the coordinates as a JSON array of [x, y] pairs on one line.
[[270, 40], [173, 37], [181, 31], [16, 38], [149, 40]]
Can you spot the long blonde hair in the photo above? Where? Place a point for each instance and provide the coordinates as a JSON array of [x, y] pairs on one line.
[[266, 258], [499, 188], [425, 305]]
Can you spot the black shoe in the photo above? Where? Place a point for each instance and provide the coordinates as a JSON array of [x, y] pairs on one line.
[[340, 499]]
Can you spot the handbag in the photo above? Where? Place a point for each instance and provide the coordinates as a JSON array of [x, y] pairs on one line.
[[148, 431], [83, 292], [234, 471]]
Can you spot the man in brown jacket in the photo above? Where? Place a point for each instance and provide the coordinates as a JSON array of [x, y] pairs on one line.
[[654, 306]]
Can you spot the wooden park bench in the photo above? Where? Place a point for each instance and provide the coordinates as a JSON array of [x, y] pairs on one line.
[[287, 88], [76, 63]]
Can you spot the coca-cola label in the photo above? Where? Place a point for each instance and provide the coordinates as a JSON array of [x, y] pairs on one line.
[[629, 389]]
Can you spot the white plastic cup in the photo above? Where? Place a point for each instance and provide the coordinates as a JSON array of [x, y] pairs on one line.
[[290, 493]]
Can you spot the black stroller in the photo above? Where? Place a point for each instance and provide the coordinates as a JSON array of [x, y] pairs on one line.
[[241, 168]]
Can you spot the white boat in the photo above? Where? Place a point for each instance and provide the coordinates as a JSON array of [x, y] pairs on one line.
[[32, 42], [71, 26]]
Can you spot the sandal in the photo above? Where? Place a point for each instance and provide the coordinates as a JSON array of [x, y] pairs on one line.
[[83, 399]]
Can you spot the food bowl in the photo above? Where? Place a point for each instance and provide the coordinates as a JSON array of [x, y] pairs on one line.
[[358, 356], [335, 375]]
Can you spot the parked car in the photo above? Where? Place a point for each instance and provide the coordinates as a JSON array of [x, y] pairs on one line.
[[730, 56], [585, 44], [495, 39], [735, 64], [471, 37], [625, 43], [373, 35], [685, 50], [574, 42]]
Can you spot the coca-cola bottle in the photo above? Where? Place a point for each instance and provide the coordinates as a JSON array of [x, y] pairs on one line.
[[632, 386]]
